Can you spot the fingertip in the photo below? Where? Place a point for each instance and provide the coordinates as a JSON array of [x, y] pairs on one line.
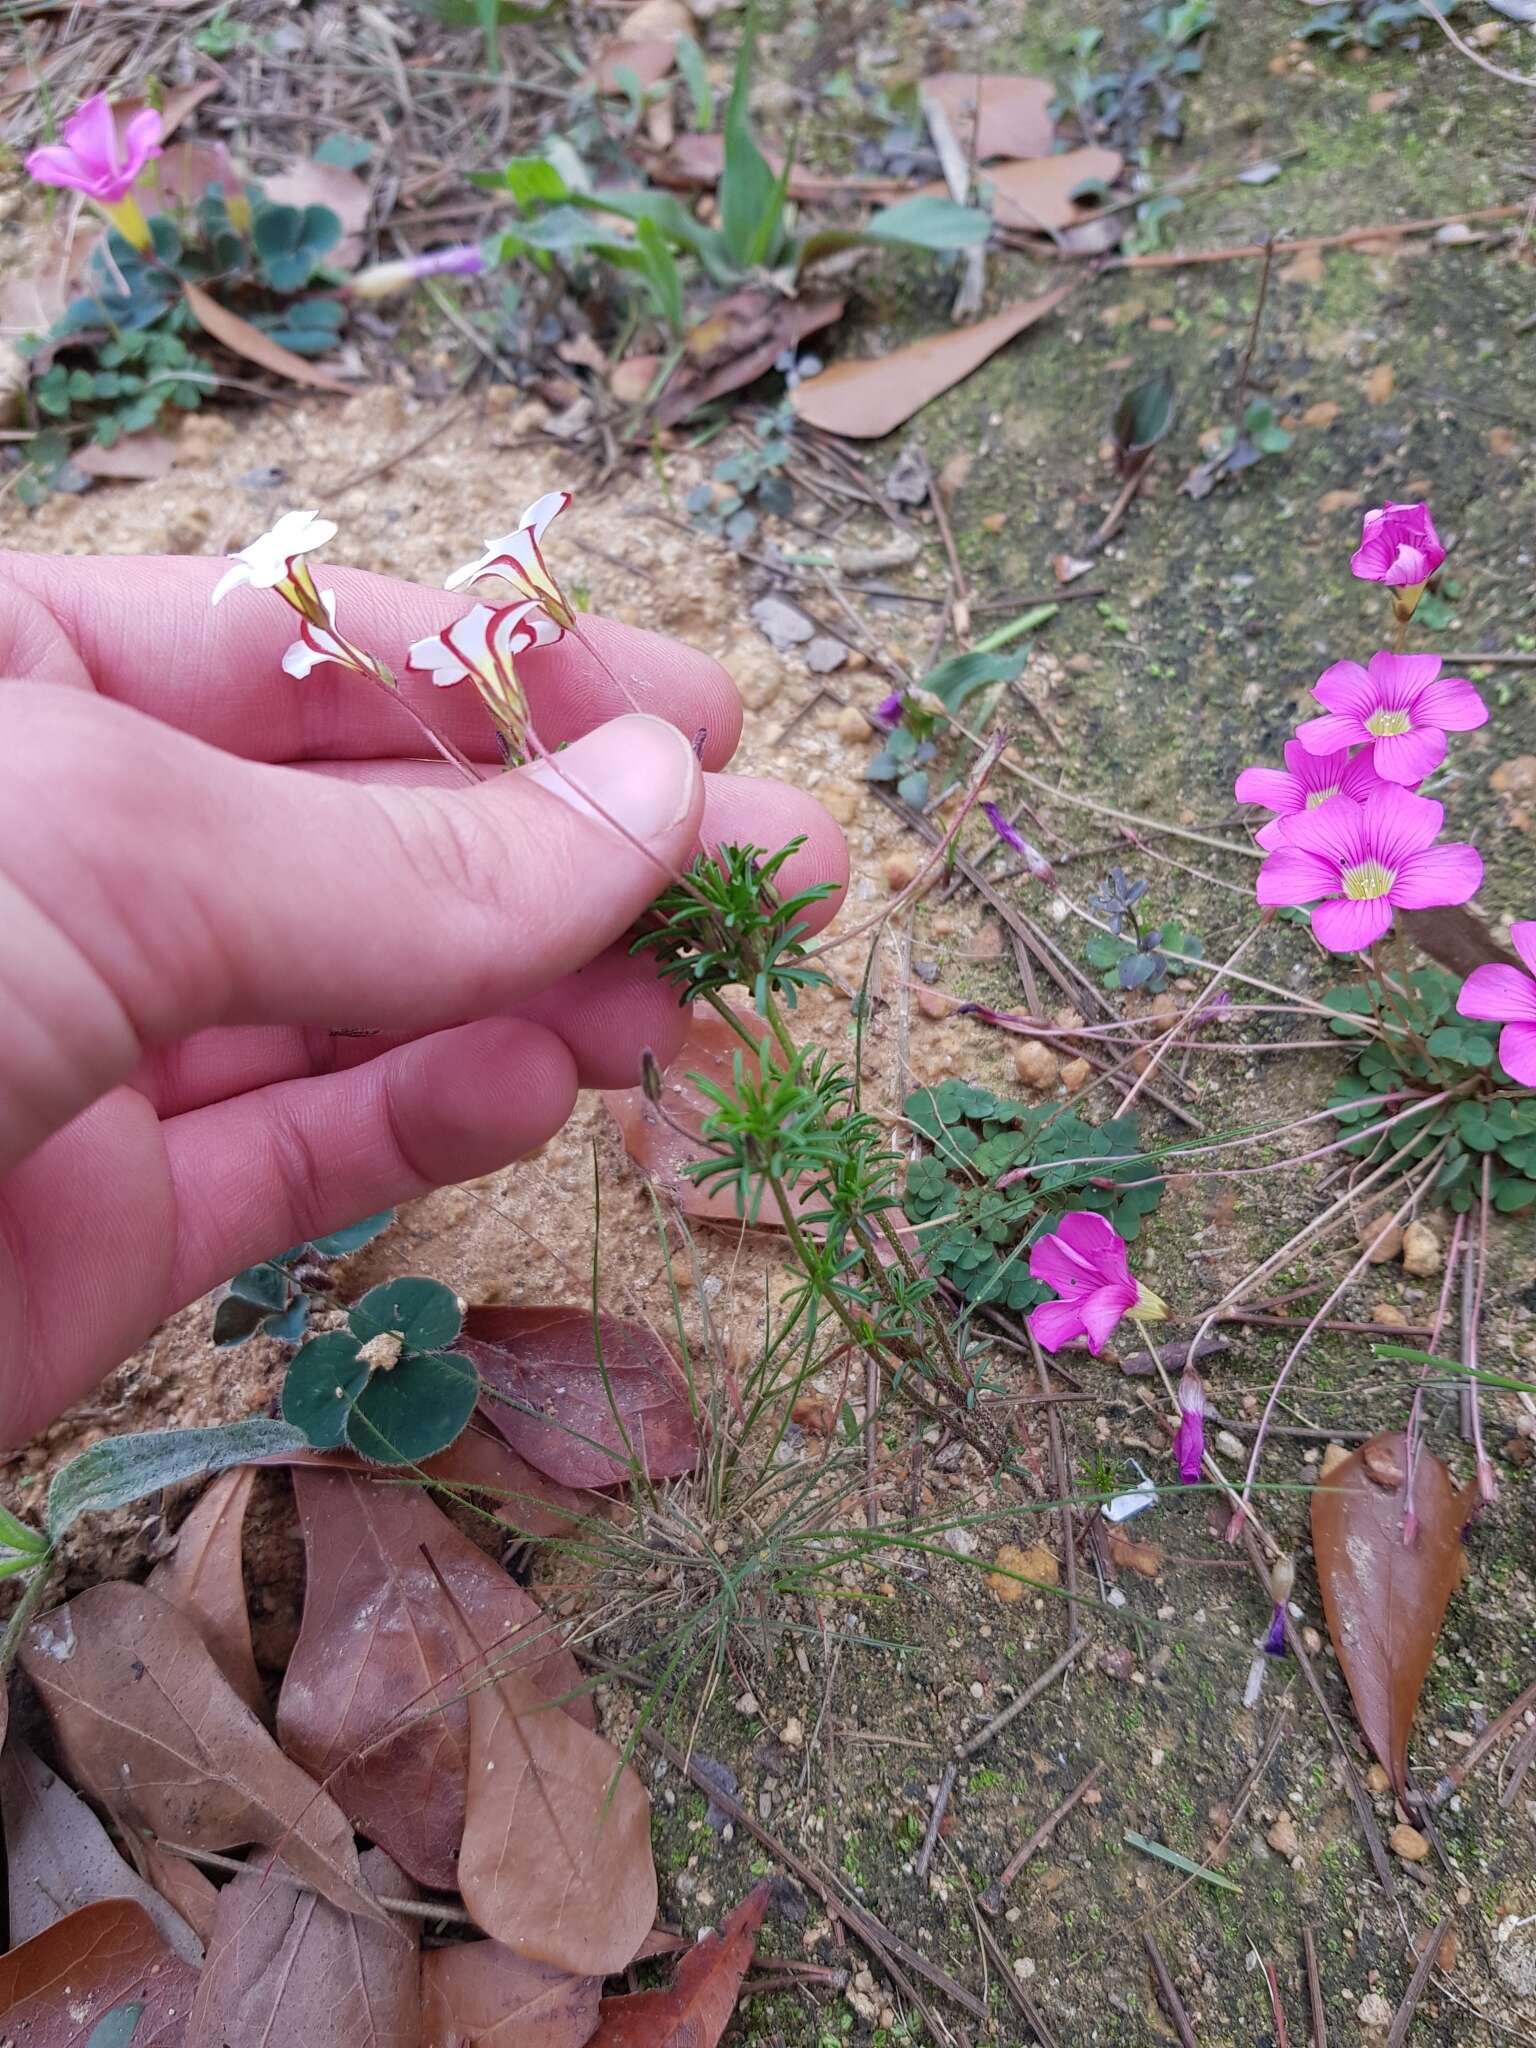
[[605, 666]]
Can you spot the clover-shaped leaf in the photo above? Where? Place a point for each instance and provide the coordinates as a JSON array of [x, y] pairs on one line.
[[323, 1382], [386, 1385], [406, 1415], [424, 1314]]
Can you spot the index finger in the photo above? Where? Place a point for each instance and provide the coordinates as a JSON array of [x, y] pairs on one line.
[[148, 636]]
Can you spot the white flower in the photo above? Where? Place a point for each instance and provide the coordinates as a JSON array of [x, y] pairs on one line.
[[314, 646], [516, 557], [483, 645], [269, 559]]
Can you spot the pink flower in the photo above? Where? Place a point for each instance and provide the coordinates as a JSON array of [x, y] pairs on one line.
[[1400, 705], [460, 259], [1085, 1261], [1505, 995], [1306, 781], [1010, 835], [91, 158], [1359, 862], [1189, 1443], [1398, 545]]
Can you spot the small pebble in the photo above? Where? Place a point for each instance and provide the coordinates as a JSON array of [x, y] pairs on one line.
[[1408, 1843]]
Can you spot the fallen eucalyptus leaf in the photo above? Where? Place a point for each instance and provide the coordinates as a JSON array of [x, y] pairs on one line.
[[1040, 195], [242, 339], [995, 114], [204, 1580], [478, 1994]]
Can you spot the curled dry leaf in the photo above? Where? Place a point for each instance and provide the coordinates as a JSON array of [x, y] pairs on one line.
[[59, 1857], [739, 342], [694, 2011], [996, 113], [573, 1413], [656, 1144], [285, 1965], [478, 1994], [203, 1579], [146, 1723], [1384, 1598], [1035, 197], [875, 396], [58, 1988], [556, 1858], [373, 1701], [242, 339]]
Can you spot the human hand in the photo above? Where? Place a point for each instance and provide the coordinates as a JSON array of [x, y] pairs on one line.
[[211, 873]]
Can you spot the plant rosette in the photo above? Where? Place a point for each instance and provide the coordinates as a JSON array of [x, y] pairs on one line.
[[387, 1386]]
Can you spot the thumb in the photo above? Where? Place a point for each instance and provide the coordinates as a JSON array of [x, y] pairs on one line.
[[155, 886]]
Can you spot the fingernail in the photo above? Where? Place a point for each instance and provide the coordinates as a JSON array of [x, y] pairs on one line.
[[636, 772]]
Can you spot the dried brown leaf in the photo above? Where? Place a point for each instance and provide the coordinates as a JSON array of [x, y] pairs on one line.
[[141, 458], [739, 342], [996, 113], [874, 396], [203, 1579], [308, 183], [177, 1880], [1035, 196], [1456, 938], [285, 1965], [56, 1989], [695, 2010], [1384, 1598], [373, 1702], [242, 339], [556, 1859], [573, 1412], [650, 59], [59, 1857], [146, 1723], [478, 1994], [526, 1501]]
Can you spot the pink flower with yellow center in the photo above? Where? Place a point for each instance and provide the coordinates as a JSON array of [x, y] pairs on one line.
[[1503, 995], [1357, 863], [1400, 706], [517, 558], [1398, 546], [93, 158], [483, 648], [1086, 1262], [1306, 781]]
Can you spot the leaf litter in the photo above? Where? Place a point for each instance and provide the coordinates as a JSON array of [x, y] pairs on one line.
[[695, 2009], [481, 1995], [105, 1962], [204, 1579]]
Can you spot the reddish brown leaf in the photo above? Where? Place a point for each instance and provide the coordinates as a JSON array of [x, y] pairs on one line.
[[147, 1724], [996, 113], [373, 1702], [285, 1966], [696, 2008], [556, 1859], [661, 1150], [204, 1580], [527, 1502], [177, 1880], [737, 343], [479, 1995], [242, 339], [1385, 1599], [60, 1858], [141, 458], [1035, 197], [554, 1403], [56, 1989], [875, 395]]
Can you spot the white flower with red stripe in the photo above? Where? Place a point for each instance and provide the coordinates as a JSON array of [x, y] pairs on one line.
[[517, 558], [483, 648], [274, 561], [316, 645]]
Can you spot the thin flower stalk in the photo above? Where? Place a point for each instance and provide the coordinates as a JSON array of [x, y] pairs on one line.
[[1170, 1037], [1474, 1276]]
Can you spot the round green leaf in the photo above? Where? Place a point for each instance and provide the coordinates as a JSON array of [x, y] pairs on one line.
[[415, 1410], [323, 1382], [425, 1314]]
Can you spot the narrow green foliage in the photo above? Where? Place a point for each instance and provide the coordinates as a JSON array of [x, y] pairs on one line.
[[723, 925]]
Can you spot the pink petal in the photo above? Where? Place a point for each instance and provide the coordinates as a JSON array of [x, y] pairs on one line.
[[1399, 822], [1360, 779], [1092, 1236], [1347, 927], [1102, 1311], [1336, 830], [55, 165], [1523, 934], [1346, 688], [1055, 1324], [141, 140], [91, 133], [1373, 560], [1452, 704], [1332, 733], [1053, 1261], [1294, 876], [1445, 874], [1273, 834], [1517, 1049], [1397, 678], [1407, 757], [1498, 993], [1271, 787]]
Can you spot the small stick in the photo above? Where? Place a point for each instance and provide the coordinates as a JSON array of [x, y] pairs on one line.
[[1061, 1479], [1487, 660], [1244, 252], [936, 1818], [414, 1909], [1253, 331], [960, 608], [1015, 1990], [1043, 1833], [1314, 1991], [966, 1750], [1114, 518], [1282, 2038], [1167, 1991], [1454, 1779], [1402, 2021], [1521, 1757], [1349, 1329]]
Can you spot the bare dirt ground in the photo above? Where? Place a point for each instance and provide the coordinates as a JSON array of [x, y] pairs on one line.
[[1215, 618]]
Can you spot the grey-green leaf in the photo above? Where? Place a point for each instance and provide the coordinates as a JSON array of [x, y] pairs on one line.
[[121, 1469]]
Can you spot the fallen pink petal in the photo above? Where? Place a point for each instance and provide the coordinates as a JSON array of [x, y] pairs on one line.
[[1189, 1442]]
